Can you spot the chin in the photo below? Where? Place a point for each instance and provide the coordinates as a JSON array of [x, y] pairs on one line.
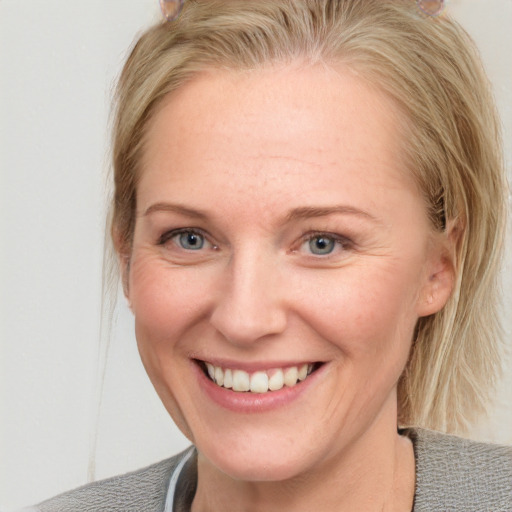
[[260, 470], [271, 463]]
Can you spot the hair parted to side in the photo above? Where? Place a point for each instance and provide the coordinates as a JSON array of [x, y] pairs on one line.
[[432, 71]]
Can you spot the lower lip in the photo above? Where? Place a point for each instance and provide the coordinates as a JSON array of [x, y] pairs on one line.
[[247, 402]]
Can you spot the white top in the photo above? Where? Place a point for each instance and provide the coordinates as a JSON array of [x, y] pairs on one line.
[[169, 500]]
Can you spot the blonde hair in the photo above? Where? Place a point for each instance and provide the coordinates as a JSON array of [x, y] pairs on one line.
[[431, 69]]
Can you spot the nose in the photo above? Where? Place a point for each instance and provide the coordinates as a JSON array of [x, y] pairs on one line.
[[250, 303]]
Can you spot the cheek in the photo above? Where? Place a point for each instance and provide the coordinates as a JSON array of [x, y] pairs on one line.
[[165, 299], [362, 310], [366, 314], [166, 305]]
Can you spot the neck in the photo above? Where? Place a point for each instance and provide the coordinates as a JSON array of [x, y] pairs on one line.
[[373, 474]]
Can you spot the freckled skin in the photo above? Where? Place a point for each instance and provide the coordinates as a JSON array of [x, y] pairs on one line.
[[245, 150]]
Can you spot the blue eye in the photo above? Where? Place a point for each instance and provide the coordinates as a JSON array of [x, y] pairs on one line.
[[190, 240], [321, 245]]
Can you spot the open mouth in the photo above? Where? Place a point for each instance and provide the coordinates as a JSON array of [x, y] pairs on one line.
[[263, 381]]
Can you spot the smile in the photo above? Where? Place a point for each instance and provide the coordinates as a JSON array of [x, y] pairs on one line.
[[263, 381]]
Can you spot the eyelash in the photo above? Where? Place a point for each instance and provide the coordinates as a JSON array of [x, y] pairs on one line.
[[339, 240], [169, 235]]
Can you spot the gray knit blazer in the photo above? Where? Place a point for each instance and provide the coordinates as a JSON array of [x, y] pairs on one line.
[[452, 475]]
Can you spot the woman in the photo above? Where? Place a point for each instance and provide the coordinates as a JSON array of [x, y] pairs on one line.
[[309, 213]]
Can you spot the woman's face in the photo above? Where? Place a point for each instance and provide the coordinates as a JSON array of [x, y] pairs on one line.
[[278, 234]]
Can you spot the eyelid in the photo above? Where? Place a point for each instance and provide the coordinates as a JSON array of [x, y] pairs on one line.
[[341, 240], [170, 234]]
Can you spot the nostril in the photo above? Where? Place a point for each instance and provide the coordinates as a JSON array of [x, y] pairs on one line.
[[248, 320], [250, 303]]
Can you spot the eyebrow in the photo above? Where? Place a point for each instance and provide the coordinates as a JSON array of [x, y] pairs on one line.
[[175, 208], [308, 212], [305, 212]]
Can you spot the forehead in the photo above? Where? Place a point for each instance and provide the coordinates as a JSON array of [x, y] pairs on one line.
[[275, 123]]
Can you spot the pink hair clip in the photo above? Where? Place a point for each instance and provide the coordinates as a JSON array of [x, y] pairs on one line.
[[171, 8], [431, 7]]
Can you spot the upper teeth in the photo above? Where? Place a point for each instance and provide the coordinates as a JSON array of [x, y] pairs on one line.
[[260, 381]]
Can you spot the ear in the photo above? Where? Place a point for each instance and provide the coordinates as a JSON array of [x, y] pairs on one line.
[[441, 270], [124, 267], [123, 253]]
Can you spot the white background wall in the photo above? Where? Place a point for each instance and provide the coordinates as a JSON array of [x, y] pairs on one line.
[[58, 60]]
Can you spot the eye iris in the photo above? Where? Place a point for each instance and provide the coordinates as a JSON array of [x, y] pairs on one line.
[[191, 241], [321, 245]]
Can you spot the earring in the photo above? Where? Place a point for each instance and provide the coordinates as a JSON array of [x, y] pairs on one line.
[[171, 8]]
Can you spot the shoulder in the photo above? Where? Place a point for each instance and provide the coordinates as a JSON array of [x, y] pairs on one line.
[[139, 491], [456, 474]]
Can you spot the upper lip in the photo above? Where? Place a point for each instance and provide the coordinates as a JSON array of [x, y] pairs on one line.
[[254, 366]]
